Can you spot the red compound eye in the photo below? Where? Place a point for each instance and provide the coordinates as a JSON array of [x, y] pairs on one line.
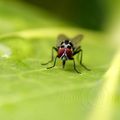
[[69, 53], [60, 51], [66, 51]]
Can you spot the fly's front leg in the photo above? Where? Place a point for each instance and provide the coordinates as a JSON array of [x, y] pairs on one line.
[[81, 57], [52, 56], [74, 65], [54, 63], [79, 50], [76, 51]]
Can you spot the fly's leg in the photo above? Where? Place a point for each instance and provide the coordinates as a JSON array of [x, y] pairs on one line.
[[76, 51], [79, 50], [74, 65], [52, 56], [54, 63], [81, 57]]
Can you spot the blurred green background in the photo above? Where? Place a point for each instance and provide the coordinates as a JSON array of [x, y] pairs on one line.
[[28, 30], [81, 13]]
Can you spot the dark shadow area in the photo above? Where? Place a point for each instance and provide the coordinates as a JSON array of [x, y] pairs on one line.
[[88, 14]]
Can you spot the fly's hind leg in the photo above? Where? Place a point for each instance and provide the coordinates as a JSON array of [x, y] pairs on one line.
[[52, 56]]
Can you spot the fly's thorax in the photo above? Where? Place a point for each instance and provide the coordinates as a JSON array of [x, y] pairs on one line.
[[64, 41], [66, 44]]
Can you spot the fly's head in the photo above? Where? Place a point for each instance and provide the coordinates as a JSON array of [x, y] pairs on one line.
[[65, 51]]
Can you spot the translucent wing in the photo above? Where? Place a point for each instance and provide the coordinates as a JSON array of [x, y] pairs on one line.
[[61, 38], [76, 40]]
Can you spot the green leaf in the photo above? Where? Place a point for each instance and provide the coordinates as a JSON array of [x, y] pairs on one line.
[[30, 91]]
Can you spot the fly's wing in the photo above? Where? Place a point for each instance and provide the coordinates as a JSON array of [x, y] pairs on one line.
[[60, 39], [76, 40]]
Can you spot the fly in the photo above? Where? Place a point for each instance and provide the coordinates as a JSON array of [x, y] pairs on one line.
[[66, 49]]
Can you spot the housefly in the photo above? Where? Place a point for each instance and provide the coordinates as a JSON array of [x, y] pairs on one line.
[[66, 49]]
